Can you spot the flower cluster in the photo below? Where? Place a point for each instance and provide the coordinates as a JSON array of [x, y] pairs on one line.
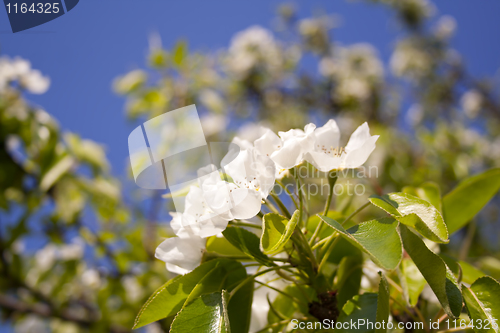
[[251, 48], [253, 168], [20, 71], [357, 70]]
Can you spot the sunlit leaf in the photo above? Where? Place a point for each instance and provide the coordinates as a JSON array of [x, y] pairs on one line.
[[169, 299], [414, 212], [483, 304], [206, 314], [378, 238], [277, 230]]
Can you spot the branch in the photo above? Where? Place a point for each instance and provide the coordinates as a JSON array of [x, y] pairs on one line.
[[42, 310]]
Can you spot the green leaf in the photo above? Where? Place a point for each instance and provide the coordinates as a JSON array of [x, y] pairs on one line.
[[240, 308], [414, 282], [379, 238], [180, 52], [277, 230], [414, 212], [469, 272], [225, 275], [247, 242], [169, 299], [221, 245], [349, 276], [469, 197], [359, 308], [383, 310], [435, 272], [312, 223], [56, 171], [428, 191], [285, 305], [207, 313], [483, 304]]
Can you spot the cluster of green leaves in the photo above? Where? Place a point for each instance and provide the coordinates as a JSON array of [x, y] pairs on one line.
[[324, 270]]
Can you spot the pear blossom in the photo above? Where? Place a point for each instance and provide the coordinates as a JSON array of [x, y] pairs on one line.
[[296, 143], [253, 170], [181, 255], [327, 155], [197, 219], [251, 48]]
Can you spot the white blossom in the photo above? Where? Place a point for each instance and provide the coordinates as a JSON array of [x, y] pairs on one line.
[[445, 27], [321, 147], [472, 101], [91, 278], [181, 255], [251, 48], [296, 143], [19, 70], [410, 60]]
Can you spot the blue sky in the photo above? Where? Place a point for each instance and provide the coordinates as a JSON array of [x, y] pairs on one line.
[[84, 50]]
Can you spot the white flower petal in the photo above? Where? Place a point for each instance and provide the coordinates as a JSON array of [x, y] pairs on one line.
[[242, 143], [327, 136], [268, 143], [252, 170], [246, 203], [185, 253], [322, 161], [357, 157], [358, 137], [213, 226], [176, 269]]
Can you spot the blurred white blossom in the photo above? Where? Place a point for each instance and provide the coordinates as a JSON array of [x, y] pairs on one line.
[[30, 324], [48, 255], [212, 100], [20, 71], [357, 71], [472, 101], [213, 124], [410, 60], [445, 27], [252, 48], [91, 278], [132, 288]]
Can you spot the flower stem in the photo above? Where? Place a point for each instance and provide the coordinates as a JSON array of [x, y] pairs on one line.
[[281, 205], [295, 299], [251, 277], [290, 194], [332, 241], [245, 224], [271, 207], [317, 231], [355, 213]]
